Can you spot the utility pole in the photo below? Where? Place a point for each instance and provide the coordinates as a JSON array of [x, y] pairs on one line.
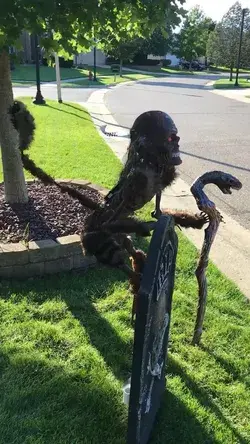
[[58, 79], [95, 79], [244, 11]]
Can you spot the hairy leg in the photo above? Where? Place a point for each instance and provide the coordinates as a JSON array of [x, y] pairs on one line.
[[187, 219], [157, 211]]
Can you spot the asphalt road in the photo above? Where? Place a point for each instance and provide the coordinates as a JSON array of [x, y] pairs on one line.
[[214, 131]]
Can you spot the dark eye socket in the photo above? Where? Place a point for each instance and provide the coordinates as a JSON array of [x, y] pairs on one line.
[[174, 138]]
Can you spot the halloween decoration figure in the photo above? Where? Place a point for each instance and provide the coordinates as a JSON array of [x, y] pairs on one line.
[[153, 155]]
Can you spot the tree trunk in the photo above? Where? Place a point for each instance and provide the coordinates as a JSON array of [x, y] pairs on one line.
[[14, 182], [231, 72], [121, 63]]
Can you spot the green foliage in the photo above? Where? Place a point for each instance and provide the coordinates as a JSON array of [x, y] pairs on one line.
[[223, 43], [215, 47], [76, 23], [159, 43], [191, 42], [146, 34]]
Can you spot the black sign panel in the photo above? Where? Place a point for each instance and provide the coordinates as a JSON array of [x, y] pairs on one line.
[[152, 331]]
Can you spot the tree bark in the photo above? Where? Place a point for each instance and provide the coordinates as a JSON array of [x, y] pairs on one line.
[[14, 182], [121, 64], [231, 72]]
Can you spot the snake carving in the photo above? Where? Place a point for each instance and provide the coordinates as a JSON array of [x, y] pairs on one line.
[[226, 183]]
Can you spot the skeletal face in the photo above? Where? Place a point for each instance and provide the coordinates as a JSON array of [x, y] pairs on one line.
[[158, 130], [174, 144], [173, 140]]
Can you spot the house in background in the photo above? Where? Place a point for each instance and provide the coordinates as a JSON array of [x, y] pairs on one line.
[[27, 55], [87, 58], [174, 60]]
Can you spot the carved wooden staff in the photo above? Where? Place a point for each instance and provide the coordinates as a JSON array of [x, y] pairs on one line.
[[225, 182]]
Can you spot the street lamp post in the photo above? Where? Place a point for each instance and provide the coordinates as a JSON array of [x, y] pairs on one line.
[[39, 100], [244, 11], [95, 79]]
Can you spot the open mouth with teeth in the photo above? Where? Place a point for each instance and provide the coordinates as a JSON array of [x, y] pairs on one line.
[[227, 189], [176, 157]]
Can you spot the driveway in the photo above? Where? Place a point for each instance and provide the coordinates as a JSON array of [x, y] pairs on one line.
[[214, 130]]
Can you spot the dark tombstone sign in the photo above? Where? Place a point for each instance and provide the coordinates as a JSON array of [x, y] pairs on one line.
[[152, 331]]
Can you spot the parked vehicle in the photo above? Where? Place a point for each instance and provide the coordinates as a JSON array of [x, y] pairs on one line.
[[195, 65]]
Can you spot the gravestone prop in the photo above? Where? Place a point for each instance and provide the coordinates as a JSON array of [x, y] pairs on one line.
[[152, 331]]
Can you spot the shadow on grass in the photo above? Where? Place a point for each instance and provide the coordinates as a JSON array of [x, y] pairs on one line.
[[44, 401], [228, 366], [80, 291], [204, 400], [175, 424], [68, 112]]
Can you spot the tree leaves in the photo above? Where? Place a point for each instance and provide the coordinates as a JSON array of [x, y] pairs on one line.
[[192, 40], [223, 43], [73, 20]]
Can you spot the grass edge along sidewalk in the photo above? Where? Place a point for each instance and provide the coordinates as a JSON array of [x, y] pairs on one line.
[[226, 84], [25, 75], [66, 341]]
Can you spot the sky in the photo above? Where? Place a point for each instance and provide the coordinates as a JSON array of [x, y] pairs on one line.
[[215, 8]]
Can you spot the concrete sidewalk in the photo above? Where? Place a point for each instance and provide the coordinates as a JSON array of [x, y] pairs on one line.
[[235, 94], [231, 249]]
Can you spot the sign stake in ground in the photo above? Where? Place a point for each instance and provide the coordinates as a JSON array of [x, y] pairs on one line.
[[152, 331]]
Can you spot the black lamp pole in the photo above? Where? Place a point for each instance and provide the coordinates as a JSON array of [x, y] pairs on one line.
[[95, 79], [39, 100], [240, 46]]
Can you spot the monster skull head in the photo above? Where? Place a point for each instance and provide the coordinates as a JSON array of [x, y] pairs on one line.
[[159, 132]]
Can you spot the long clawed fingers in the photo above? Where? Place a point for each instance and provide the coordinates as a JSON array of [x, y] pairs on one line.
[[206, 217]]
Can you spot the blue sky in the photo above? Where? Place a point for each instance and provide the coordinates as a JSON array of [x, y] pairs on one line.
[[215, 8]]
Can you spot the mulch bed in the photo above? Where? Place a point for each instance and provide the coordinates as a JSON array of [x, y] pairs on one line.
[[48, 214]]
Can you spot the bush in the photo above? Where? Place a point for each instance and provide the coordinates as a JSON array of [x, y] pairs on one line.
[[44, 61], [150, 62], [110, 60], [63, 63], [166, 63]]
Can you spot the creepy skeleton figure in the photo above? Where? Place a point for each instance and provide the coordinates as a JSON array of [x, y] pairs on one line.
[[153, 154], [152, 157]]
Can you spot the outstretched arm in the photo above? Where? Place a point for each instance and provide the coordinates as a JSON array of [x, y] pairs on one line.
[[186, 219]]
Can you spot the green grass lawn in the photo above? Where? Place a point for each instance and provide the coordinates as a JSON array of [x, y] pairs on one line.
[[66, 340], [103, 80], [67, 144], [163, 71], [26, 76], [48, 74], [225, 69], [226, 84]]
